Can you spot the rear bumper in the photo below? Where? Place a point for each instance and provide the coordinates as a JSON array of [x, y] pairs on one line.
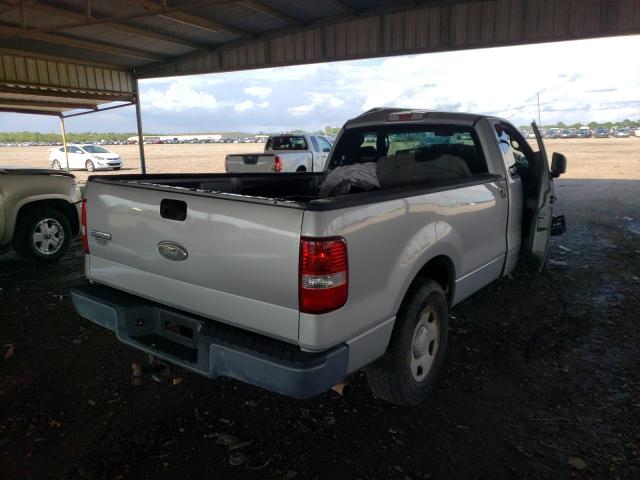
[[211, 348]]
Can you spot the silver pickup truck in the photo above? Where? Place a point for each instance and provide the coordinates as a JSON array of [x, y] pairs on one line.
[[291, 282], [303, 152]]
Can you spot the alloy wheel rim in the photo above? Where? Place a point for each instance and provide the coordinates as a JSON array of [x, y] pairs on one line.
[[48, 236]]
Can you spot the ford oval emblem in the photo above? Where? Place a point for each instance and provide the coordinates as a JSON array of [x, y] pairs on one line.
[[172, 251]]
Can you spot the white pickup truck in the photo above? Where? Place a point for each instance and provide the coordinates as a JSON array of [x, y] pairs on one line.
[[293, 281], [283, 153]]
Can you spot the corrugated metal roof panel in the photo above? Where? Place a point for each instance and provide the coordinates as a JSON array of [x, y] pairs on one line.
[[327, 30]]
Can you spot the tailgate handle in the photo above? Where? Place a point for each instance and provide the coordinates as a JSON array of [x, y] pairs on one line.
[[173, 209]]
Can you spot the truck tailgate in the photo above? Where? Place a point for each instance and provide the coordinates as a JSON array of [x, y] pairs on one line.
[[241, 266], [241, 163]]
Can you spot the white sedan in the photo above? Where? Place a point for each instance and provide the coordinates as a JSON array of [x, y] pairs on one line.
[[85, 157]]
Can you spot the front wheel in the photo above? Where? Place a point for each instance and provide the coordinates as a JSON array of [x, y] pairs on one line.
[[89, 166], [42, 235], [406, 373]]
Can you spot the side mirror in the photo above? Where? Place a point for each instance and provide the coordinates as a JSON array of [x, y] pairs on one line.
[[558, 164]]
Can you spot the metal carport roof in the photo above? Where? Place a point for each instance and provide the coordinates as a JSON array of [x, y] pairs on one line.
[[168, 37]]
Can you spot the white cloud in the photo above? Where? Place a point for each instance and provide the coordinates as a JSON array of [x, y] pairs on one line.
[[243, 106], [179, 96], [260, 92], [318, 100], [263, 105]]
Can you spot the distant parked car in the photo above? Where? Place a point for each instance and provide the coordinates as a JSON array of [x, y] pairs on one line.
[[566, 133], [601, 132], [621, 133], [583, 133], [85, 157], [637, 132], [552, 133]]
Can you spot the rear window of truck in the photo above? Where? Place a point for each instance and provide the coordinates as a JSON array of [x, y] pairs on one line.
[[287, 142], [412, 154]]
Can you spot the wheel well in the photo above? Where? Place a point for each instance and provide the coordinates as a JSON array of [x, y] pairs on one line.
[[441, 270], [301, 169], [66, 208]]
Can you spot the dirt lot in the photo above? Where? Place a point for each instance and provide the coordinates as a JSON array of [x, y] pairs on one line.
[[542, 378], [621, 157]]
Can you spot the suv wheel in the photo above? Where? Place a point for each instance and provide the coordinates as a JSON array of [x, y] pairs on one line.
[[42, 235], [406, 373]]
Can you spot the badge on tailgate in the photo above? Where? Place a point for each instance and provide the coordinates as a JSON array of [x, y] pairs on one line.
[[172, 251]]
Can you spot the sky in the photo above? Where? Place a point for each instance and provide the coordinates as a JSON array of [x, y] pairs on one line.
[[578, 81]]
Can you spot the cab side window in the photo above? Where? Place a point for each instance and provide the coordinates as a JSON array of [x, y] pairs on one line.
[[324, 145], [315, 144], [513, 152]]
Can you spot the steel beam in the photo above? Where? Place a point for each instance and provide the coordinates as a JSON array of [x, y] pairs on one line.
[[189, 19], [44, 91], [143, 165], [81, 20], [84, 44], [44, 104]]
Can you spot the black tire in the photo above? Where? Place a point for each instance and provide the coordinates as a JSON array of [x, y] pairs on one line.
[[89, 166], [391, 377], [301, 169], [56, 165], [24, 243], [117, 168]]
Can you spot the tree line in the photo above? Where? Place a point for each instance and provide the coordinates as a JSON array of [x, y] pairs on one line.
[[593, 125], [37, 137]]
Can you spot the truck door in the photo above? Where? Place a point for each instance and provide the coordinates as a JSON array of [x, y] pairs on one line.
[[325, 148], [537, 244]]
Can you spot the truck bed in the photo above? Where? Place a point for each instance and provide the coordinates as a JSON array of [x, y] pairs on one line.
[[293, 190], [286, 188]]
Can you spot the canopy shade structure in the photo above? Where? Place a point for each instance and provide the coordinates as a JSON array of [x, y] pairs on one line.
[[154, 38], [45, 86]]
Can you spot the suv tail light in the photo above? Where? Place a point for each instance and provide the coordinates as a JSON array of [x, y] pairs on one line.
[[324, 274], [85, 238], [277, 166]]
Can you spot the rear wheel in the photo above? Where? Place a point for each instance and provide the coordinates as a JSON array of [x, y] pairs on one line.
[[89, 166], [42, 235], [56, 165], [301, 169], [406, 373]]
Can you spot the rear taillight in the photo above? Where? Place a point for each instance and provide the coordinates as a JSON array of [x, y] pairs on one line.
[[85, 238], [324, 274], [277, 166]]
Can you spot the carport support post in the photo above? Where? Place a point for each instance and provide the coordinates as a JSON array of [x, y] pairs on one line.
[[143, 165], [64, 141]]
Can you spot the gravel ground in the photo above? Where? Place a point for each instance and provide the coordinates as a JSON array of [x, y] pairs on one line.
[[542, 380]]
